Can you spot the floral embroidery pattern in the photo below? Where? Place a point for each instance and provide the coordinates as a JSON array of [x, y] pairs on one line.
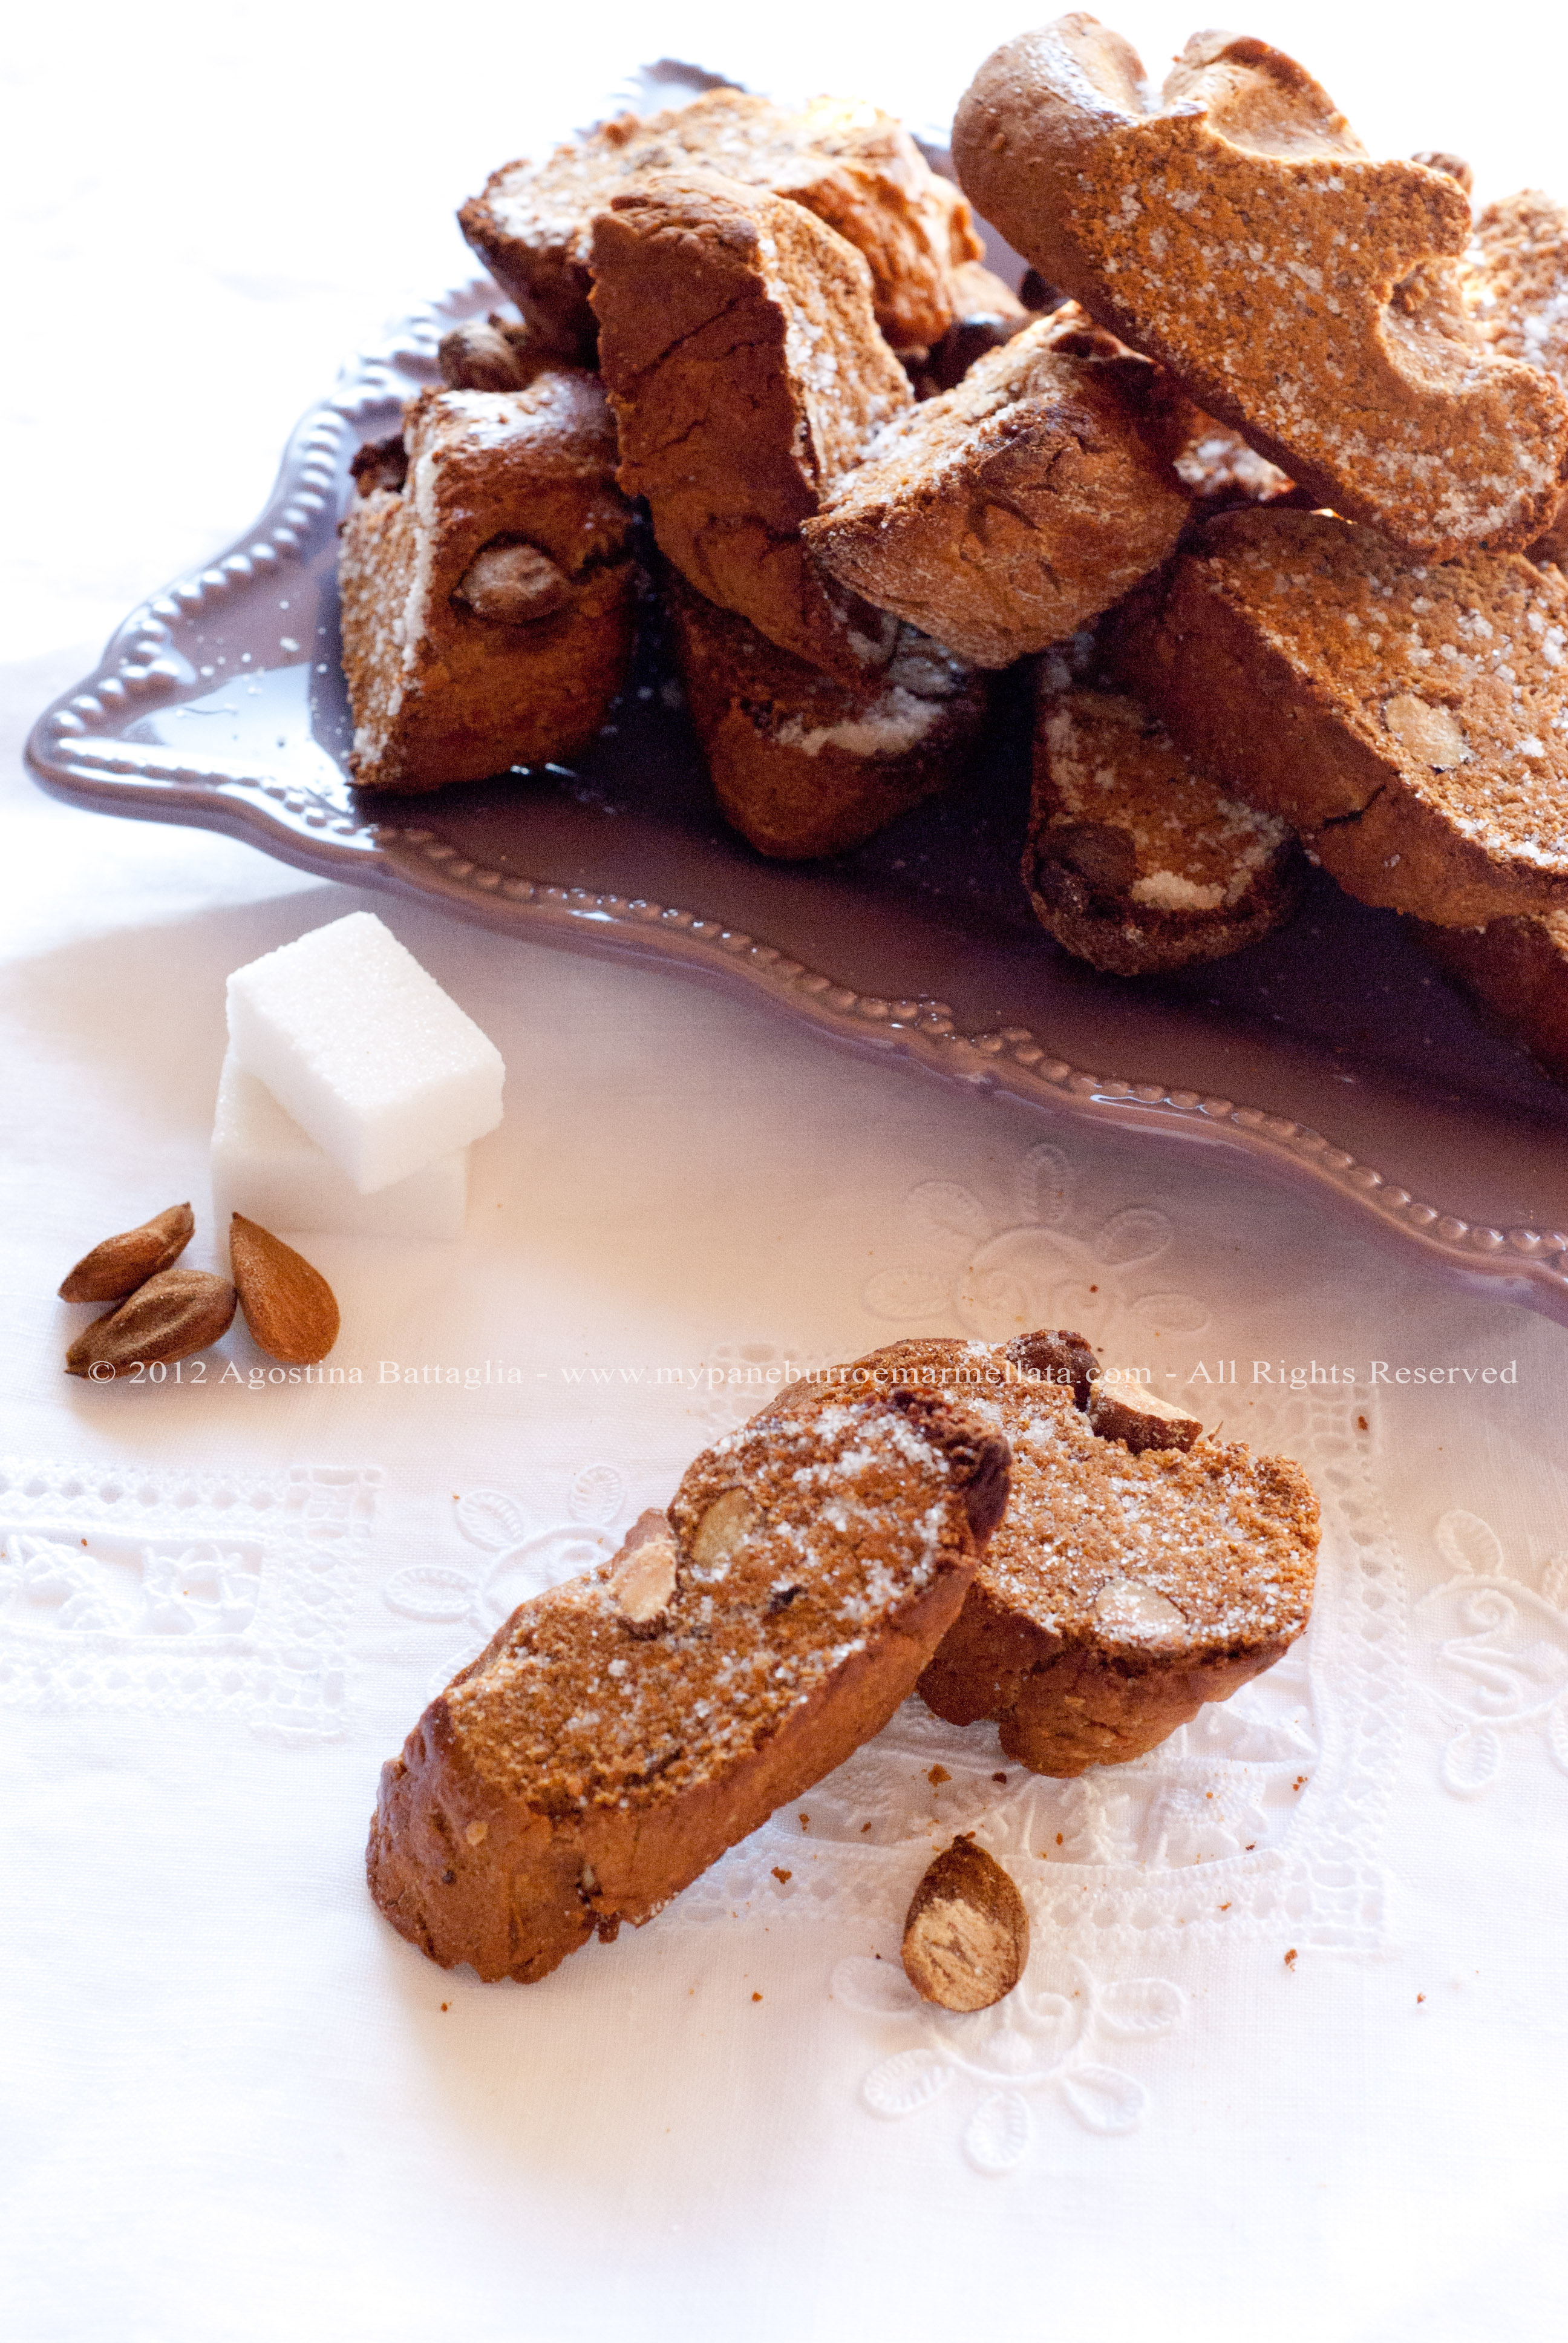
[[126, 1587], [1504, 1668], [1037, 1270], [1030, 2042]]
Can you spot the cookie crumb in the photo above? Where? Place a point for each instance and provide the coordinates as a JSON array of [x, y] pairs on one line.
[[937, 1776], [781, 1875], [1290, 1959]]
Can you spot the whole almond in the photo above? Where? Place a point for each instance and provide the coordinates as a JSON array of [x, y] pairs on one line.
[[966, 1939], [289, 1307], [118, 1266], [171, 1316]]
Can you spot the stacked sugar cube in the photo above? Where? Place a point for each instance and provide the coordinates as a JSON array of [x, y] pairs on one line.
[[352, 1092]]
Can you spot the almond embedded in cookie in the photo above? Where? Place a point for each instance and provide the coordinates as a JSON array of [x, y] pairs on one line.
[[857, 168], [743, 361], [1005, 514], [1409, 720], [1137, 860], [1236, 228], [620, 1732], [487, 593], [802, 764]]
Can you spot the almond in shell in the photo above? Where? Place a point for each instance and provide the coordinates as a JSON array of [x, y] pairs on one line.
[[118, 1266], [170, 1316], [290, 1309]]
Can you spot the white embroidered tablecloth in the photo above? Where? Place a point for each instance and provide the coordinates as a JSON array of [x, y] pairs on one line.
[[1289, 2056]]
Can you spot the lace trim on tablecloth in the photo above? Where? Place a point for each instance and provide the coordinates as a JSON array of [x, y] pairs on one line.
[[191, 1592]]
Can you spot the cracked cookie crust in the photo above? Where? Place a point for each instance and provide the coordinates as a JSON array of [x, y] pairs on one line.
[[1410, 719]]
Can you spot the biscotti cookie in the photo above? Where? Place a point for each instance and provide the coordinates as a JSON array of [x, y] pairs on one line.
[[487, 602], [1517, 968], [802, 765], [1140, 1568], [747, 374], [1136, 859], [620, 1732], [1237, 229], [1514, 280], [1007, 513], [854, 167], [1410, 720]]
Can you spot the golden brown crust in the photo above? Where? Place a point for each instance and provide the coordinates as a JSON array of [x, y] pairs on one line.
[[1122, 1590], [1410, 720], [440, 692], [620, 1732], [802, 765], [1517, 968], [1327, 327], [1010, 511], [746, 376], [854, 167], [1136, 860]]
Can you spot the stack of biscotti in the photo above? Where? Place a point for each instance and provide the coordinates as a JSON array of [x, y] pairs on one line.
[[1290, 444], [1372, 653], [874, 479], [759, 280]]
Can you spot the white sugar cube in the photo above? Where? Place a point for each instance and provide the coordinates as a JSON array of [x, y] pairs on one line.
[[264, 1166], [365, 1051]]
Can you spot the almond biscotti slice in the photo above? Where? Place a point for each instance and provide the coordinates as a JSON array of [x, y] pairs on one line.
[[1140, 1568], [1410, 720], [1137, 860], [1007, 513], [620, 1732], [486, 584], [1514, 281], [747, 374], [1518, 969], [802, 765], [855, 167], [1236, 228]]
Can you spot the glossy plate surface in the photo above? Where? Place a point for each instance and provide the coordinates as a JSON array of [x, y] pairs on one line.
[[1333, 1054]]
